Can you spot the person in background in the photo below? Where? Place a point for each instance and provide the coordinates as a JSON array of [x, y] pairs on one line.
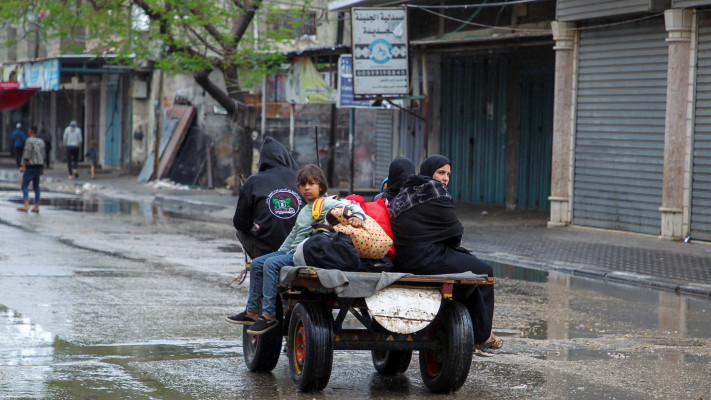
[[18, 143], [383, 186], [72, 142], [428, 235], [47, 139], [93, 156], [32, 168]]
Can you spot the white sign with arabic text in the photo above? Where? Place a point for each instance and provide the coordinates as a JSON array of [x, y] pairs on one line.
[[380, 52]]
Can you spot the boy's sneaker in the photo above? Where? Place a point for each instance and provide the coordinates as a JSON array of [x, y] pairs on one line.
[[262, 325], [240, 319]]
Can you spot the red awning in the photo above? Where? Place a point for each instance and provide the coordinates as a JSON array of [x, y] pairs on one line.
[[12, 97]]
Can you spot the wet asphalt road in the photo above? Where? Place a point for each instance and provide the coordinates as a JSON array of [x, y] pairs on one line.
[[113, 299]]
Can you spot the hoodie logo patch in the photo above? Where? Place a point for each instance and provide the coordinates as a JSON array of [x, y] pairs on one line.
[[284, 203]]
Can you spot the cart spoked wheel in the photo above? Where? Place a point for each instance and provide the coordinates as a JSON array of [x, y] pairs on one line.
[[310, 346], [391, 362], [445, 369], [261, 352]]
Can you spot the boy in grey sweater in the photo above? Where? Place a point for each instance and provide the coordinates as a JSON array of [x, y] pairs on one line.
[[32, 168]]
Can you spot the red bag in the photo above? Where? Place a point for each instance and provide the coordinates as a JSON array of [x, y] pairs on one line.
[[379, 212]]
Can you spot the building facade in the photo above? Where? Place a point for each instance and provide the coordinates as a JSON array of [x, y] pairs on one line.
[[631, 132], [596, 111]]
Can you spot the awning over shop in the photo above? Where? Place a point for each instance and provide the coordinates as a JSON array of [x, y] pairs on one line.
[[12, 97]]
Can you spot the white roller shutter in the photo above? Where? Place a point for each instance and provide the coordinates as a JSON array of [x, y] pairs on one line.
[[619, 144]]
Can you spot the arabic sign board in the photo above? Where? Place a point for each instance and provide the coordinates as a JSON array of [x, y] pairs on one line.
[[380, 53]]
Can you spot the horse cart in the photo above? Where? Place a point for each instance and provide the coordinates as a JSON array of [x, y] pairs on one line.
[[399, 313]]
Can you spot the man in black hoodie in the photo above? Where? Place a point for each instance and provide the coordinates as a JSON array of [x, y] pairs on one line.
[[268, 201]]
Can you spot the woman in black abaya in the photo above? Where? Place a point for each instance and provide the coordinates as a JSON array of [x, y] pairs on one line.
[[428, 234]]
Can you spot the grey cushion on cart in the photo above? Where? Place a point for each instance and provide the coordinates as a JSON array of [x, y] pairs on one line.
[[355, 284], [345, 284]]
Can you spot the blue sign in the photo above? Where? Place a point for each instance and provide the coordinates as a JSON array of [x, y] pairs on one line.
[[40, 74], [345, 85]]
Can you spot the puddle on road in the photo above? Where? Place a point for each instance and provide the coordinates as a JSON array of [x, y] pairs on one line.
[[97, 204], [619, 308], [148, 211], [35, 363], [671, 357]]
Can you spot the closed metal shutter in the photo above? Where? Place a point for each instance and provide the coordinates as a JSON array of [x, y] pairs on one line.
[[473, 127], [576, 10], [701, 178], [383, 145], [535, 140], [411, 137], [690, 3], [619, 144]]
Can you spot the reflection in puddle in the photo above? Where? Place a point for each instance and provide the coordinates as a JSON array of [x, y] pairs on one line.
[[146, 212], [518, 273], [26, 353], [38, 364], [622, 308], [579, 354], [536, 330], [97, 204]]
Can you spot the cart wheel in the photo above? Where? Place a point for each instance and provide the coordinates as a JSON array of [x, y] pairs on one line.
[[261, 352], [446, 368], [391, 362], [310, 346]]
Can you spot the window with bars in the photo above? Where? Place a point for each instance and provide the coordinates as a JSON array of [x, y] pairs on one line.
[[300, 23]]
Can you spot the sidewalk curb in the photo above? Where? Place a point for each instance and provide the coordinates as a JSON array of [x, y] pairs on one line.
[[641, 280]]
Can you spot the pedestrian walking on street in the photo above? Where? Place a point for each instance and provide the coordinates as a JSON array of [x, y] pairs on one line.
[[32, 168], [18, 143], [72, 141], [47, 139], [93, 156]]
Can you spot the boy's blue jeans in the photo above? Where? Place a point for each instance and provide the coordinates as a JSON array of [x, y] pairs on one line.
[[263, 281], [31, 174]]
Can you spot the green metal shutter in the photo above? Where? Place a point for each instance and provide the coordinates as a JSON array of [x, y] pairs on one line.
[[473, 127], [619, 144], [535, 140]]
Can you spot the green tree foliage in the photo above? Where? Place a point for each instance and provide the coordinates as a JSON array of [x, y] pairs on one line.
[[197, 37]]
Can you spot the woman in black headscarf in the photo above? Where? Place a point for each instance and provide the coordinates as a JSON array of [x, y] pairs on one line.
[[400, 169], [428, 234]]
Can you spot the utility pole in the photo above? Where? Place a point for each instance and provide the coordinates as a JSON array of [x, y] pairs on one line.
[[156, 153]]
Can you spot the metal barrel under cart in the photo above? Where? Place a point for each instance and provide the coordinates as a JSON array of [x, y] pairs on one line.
[[399, 313]]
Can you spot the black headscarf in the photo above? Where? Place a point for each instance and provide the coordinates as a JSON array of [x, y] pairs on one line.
[[400, 169], [423, 212], [274, 154], [431, 163]]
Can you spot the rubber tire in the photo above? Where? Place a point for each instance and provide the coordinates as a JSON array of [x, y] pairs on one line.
[[445, 369], [261, 352], [310, 346], [391, 362]]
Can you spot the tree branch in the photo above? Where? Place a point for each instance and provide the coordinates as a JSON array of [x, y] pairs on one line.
[[217, 93]]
